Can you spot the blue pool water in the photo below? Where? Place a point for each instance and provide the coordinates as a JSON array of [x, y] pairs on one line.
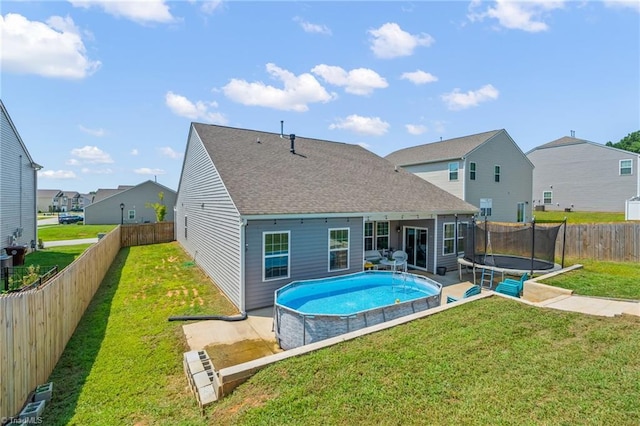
[[354, 293]]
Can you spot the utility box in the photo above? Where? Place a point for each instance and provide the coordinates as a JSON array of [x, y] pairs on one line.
[[18, 253], [632, 209]]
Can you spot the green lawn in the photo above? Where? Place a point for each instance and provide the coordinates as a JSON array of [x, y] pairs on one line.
[[494, 361], [580, 217], [123, 364], [72, 231], [61, 256], [600, 278]]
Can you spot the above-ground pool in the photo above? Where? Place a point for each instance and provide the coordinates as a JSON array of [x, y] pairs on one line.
[[313, 310]]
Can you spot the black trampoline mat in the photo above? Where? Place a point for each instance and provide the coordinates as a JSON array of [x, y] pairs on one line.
[[506, 261]]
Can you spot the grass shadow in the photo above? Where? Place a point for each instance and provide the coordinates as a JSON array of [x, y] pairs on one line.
[[75, 364]]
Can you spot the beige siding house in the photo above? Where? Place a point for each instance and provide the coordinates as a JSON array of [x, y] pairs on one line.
[[576, 174], [487, 169], [257, 210]]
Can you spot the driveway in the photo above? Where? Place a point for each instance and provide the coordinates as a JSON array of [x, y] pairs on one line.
[[48, 244]]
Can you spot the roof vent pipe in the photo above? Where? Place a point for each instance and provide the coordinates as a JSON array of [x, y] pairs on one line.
[[281, 128], [292, 138]]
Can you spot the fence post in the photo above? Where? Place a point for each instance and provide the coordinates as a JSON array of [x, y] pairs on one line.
[[5, 276]]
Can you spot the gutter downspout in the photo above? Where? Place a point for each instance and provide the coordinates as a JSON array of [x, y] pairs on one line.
[[35, 167], [243, 224], [435, 245]]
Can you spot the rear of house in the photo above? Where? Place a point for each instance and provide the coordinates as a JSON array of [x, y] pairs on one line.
[[486, 169], [575, 174], [257, 210]]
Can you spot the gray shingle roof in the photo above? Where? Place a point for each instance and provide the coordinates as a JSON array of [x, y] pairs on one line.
[[439, 151], [321, 177], [565, 140]]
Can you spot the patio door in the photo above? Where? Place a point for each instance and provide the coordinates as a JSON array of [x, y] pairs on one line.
[[415, 245]]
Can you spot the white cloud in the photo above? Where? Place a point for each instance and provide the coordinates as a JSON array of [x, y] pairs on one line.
[[308, 27], [415, 129], [210, 6], [183, 107], [91, 155], [72, 162], [623, 4], [56, 174], [390, 41], [94, 132], [149, 171], [51, 49], [363, 125], [297, 93], [419, 77], [457, 100], [134, 151], [140, 11], [169, 152], [359, 81], [517, 15], [106, 171]]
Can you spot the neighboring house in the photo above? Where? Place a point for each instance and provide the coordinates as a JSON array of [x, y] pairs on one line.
[[84, 200], [18, 185], [580, 175], [487, 170], [49, 200], [258, 210], [106, 209]]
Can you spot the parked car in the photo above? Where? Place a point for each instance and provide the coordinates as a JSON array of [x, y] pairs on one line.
[[70, 218]]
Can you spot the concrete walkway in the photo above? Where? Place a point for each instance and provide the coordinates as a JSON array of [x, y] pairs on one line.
[[48, 244], [592, 305]]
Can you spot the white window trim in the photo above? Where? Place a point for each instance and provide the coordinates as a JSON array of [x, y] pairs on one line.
[[457, 171], [129, 215], [544, 202], [329, 249], [473, 170], [460, 237], [376, 235], [264, 256], [499, 173], [630, 167], [373, 234]]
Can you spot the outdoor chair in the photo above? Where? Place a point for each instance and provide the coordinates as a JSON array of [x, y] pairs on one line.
[[512, 287], [471, 291]]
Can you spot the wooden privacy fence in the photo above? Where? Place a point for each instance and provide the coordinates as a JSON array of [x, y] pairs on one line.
[[36, 325], [146, 233], [602, 241]]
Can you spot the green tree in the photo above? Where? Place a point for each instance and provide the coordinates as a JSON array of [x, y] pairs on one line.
[[631, 142], [159, 208]]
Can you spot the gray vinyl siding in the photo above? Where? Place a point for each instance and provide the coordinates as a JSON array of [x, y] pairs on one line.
[[583, 177], [107, 211], [438, 174], [308, 253], [17, 188], [516, 178], [213, 222], [450, 261]]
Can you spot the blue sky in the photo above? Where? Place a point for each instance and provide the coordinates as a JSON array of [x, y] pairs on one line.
[[103, 92]]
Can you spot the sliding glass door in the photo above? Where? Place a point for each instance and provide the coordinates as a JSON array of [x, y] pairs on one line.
[[415, 245]]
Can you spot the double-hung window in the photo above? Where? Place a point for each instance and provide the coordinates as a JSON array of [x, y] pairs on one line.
[[472, 171], [626, 167], [496, 173], [338, 249], [382, 235], [132, 214], [368, 236], [275, 258], [453, 170], [547, 197], [449, 237], [486, 205]]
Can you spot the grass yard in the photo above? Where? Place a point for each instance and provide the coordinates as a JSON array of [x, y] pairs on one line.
[[494, 361], [71, 231], [60, 255], [600, 278], [580, 217], [123, 364]]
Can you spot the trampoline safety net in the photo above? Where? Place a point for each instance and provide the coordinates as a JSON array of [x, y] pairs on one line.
[[516, 246]]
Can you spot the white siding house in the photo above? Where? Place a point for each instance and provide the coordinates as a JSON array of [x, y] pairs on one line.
[[18, 183], [487, 169], [580, 175], [257, 210], [131, 205]]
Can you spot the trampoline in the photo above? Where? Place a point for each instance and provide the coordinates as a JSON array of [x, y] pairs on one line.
[[512, 249]]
